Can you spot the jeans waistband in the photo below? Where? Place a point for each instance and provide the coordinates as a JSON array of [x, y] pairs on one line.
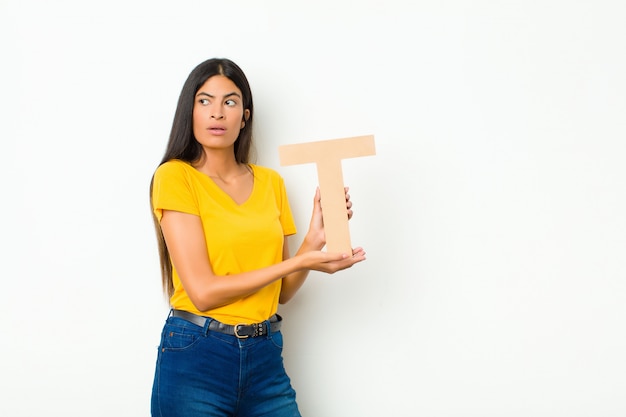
[[241, 331]]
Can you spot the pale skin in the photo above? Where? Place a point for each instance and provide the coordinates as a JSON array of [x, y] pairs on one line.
[[218, 115]]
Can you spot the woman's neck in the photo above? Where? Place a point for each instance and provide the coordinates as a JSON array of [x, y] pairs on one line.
[[221, 165]]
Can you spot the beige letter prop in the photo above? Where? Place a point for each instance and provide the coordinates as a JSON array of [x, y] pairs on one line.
[[327, 154]]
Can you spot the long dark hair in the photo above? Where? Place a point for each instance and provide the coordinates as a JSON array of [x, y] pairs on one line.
[[183, 145]]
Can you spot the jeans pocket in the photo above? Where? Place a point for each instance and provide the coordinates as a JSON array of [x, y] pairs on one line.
[[178, 338], [277, 339]]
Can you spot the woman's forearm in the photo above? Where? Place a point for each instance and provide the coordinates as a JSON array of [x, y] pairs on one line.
[[221, 290]]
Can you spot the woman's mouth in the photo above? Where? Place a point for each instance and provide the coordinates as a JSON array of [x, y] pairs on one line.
[[217, 130]]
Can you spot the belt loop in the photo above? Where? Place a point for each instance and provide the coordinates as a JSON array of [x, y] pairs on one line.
[[207, 323], [268, 324]]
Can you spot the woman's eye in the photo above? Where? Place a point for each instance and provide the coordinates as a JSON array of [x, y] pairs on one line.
[[203, 101], [231, 103]]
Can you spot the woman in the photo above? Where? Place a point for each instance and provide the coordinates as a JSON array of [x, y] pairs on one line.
[[222, 225]]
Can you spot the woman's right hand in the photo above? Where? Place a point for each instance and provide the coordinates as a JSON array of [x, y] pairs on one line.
[[332, 262]]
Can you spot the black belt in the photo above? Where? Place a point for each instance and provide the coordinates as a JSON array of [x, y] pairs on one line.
[[241, 331]]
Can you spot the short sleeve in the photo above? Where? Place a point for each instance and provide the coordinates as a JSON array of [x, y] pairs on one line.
[[172, 190], [286, 217]]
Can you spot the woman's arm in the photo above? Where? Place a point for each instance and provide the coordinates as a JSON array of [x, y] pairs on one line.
[[186, 243]]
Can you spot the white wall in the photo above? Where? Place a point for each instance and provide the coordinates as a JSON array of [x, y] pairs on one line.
[[492, 214]]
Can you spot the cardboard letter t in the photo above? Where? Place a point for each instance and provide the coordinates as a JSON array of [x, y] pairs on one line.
[[327, 154]]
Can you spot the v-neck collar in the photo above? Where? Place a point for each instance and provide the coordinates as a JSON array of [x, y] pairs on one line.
[[224, 194]]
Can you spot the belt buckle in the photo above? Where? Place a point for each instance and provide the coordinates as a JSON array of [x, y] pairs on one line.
[[240, 336]]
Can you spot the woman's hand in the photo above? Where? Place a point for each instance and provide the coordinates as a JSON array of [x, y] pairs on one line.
[[310, 256], [316, 237], [332, 262]]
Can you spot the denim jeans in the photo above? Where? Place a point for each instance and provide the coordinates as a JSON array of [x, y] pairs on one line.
[[206, 373]]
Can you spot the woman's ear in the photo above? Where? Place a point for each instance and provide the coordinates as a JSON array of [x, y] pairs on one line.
[[246, 116]]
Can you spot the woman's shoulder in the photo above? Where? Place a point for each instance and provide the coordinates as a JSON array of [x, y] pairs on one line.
[[265, 172], [173, 166]]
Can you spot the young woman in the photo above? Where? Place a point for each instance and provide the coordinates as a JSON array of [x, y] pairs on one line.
[[222, 225]]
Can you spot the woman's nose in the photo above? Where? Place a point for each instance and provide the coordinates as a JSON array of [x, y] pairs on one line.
[[216, 113]]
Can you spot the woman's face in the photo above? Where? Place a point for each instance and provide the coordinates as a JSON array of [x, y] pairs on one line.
[[218, 113]]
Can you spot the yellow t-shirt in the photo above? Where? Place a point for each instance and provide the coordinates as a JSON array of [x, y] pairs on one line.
[[240, 237]]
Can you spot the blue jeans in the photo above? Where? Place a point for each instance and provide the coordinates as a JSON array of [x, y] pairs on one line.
[[206, 373]]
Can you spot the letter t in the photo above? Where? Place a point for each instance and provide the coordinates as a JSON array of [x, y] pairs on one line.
[[327, 154]]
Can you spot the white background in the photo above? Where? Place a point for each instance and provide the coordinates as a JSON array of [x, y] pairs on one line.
[[492, 214]]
